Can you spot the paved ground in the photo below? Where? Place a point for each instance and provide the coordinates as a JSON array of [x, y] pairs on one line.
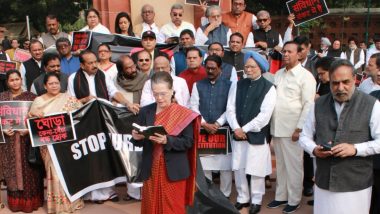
[[133, 207]]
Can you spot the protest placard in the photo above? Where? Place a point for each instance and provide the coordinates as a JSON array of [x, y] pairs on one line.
[[306, 10], [212, 144], [6, 66], [51, 129], [14, 114], [81, 40]]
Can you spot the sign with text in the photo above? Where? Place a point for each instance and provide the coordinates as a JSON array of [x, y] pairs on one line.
[[6, 66], [51, 129], [81, 40], [197, 2], [14, 114], [2, 139], [21, 55], [306, 10], [214, 144]]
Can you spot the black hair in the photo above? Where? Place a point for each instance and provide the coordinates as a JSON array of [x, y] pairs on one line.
[[62, 39], [377, 57], [51, 74], [82, 53], [48, 56], [214, 58], [302, 40], [162, 77], [194, 49], [34, 41], [128, 17], [215, 43], [187, 31], [299, 49], [238, 35], [92, 10], [10, 72], [324, 63]]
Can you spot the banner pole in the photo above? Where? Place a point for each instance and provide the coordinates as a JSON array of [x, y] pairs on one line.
[[28, 26]]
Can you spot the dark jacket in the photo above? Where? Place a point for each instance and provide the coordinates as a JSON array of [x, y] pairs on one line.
[[175, 151]]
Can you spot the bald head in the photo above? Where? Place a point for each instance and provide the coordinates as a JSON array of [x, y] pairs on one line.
[[147, 13], [161, 63]]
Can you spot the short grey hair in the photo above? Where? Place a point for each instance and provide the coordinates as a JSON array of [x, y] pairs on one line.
[[146, 5], [339, 63], [176, 6], [263, 13], [211, 8]]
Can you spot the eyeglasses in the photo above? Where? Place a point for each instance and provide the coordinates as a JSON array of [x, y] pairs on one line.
[[142, 60], [103, 51], [262, 20], [177, 14], [250, 66], [147, 12], [160, 94]]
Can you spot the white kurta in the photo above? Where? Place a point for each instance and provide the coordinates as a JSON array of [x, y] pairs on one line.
[[256, 159], [367, 86], [97, 29]]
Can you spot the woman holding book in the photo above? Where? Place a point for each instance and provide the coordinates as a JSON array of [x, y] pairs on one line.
[[25, 191], [49, 103], [168, 165]]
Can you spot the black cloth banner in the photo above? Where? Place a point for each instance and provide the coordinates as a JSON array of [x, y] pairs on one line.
[[306, 10], [14, 114], [55, 128], [93, 161], [212, 144]]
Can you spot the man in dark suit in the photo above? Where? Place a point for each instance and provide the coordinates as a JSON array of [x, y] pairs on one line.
[[148, 42], [305, 57]]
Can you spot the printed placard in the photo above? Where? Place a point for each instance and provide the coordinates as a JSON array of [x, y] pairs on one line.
[[14, 114], [81, 40], [197, 2], [213, 144], [21, 55], [6, 66], [306, 10]]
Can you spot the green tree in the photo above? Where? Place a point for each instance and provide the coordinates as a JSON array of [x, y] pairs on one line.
[[16, 11]]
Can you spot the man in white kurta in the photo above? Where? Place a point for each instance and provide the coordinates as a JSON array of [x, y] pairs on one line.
[[372, 83], [89, 69], [296, 88], [344, 174], [250, 105], [209, 99], [182, 95], [176, 25]]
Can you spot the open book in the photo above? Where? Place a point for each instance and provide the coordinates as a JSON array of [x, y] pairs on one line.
[[148, 131]]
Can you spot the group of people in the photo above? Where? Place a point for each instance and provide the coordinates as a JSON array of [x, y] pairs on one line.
[[324, 130]]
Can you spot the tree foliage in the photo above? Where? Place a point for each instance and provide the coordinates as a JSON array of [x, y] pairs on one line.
[[16, 11]]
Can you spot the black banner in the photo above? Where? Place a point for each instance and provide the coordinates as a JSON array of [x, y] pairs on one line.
[[95, 160], [6, 66], [212, 144], [306, 10], [55, 128], [14, 114]]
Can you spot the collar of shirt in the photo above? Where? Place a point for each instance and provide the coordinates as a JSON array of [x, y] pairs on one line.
[[88, 75], [295, 70], [146, 25], [304, 62], [38, 62]]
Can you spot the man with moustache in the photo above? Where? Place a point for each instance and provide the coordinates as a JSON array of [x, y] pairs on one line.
[[344, 174], [296, 88], [235, 56], [32, 68], [195, 71], [249, 108], [148, 24], [228, 71], [209, 99], [129, 80], [181, 92], [89, 82], [355, 54], [144, 63], [53, 33], [51, 63]]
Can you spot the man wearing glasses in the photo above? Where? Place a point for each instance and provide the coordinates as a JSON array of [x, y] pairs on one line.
[[69, 63], [147, 15], [265, 37], [173, 29]]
